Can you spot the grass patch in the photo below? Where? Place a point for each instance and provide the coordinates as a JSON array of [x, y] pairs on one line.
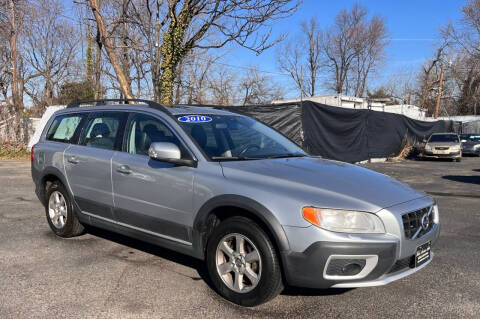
[[13, 151]]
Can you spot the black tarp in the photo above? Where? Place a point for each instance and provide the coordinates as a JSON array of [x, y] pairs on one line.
[[285, 118], [343, 134], [352, 135]]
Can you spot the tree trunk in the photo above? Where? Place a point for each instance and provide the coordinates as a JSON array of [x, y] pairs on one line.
[[173, 49], [98, 68], [16, 96]]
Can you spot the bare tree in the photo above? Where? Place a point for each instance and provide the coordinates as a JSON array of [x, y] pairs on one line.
[[355, 44], [428, 79], [238, 21], [177, 27], [107, 40], [465, 38], [301, 59], [14, 9], [51, 45], [257, 88], [371, 42], [340, 44], [222, 87]]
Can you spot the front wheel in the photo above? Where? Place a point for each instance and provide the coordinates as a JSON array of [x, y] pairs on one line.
[[242, 262]]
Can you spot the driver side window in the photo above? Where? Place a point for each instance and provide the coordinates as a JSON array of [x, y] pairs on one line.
[[143, 130]]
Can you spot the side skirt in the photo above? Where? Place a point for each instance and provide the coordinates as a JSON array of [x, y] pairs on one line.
[[168, 242]]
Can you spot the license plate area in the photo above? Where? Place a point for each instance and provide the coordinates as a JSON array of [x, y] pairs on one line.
[[423, 254]]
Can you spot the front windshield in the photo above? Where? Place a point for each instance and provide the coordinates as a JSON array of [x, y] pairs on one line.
[[443, 138], [470, 137], [232, 137]]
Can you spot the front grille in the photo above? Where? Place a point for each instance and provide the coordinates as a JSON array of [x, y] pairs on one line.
[[408, 262], [412, 222], [441, 148]]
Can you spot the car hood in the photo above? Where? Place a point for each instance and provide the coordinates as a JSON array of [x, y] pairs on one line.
[[323, 182]]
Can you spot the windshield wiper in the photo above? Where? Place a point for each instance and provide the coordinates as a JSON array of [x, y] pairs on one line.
[[286, 155]]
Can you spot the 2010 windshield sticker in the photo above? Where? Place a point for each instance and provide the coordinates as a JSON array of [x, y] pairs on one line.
[[194, 118]]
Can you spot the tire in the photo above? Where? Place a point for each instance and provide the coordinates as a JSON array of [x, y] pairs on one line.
[[458, 160], [266, 267], [61, 217]]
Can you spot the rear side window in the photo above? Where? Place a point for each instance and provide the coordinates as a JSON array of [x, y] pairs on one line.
[[143, 130], [102, 129], [63, 128]]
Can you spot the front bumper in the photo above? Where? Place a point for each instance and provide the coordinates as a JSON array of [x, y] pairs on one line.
[[471, 151], [388, 257], [385, 279], [436, 155]]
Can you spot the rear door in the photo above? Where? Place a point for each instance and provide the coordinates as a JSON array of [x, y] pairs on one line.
[[88, 164], [152, 196]]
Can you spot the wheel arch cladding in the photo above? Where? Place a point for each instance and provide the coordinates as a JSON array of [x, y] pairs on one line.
[[50, 174], [221, 206]]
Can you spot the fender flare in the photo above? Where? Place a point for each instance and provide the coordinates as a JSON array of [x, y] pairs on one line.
[[51, 171], [250, 205]]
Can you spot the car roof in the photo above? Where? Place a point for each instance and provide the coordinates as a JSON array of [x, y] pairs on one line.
[[179, 110], [187, 109]]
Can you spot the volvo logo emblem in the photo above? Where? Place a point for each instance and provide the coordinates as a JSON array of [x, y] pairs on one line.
[[425, 221]]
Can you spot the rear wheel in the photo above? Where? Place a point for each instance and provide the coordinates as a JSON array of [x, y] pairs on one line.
[[242, 262], [60, 214]]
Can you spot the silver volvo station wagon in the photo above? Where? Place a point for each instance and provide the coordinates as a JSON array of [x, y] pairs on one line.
[[229, 190]]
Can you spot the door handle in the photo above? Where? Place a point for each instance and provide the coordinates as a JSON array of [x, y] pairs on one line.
[[124, 169], [73, 160]]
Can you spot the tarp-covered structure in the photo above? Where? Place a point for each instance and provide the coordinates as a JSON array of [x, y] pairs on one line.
[[349, 135]]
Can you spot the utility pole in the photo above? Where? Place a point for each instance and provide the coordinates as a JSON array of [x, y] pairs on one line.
[[439, 93]]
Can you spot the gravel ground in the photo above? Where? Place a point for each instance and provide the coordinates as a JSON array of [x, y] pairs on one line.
[[103, 275]]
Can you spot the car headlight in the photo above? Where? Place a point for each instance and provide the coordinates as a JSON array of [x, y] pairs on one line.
[[476, 147], [428, 147], [344, 221], [455, 148]]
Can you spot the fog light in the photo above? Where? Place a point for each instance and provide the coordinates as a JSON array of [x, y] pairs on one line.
[[345, 267], [351, 269]]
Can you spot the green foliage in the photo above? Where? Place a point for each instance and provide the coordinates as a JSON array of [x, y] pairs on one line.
[[89, 59], [71, 91]]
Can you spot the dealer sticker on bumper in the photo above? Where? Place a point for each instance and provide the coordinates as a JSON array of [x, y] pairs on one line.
[[423, 254]]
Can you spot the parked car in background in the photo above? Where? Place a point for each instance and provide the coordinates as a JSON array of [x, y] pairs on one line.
[[444, 145], [470, 144]]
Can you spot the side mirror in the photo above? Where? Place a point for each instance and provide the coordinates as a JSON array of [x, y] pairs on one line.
[[170, 153]]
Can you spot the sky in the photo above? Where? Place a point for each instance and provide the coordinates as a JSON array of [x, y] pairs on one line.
[[413, 27]]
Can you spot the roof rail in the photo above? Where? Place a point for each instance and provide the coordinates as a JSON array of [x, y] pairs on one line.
[[151, 104]]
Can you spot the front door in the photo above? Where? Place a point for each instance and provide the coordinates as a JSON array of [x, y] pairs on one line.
[[152, 196], [88, 164]]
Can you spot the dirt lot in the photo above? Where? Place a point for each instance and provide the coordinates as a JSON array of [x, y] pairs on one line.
[[104, 275]]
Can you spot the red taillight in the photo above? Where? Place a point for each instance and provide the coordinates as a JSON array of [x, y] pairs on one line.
[[31, 153]]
